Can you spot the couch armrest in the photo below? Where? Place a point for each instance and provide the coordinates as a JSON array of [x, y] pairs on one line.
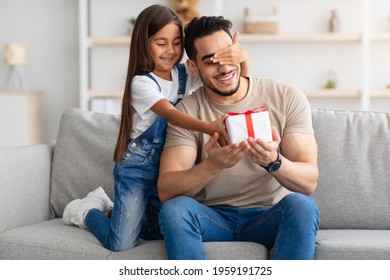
[[24, 185]]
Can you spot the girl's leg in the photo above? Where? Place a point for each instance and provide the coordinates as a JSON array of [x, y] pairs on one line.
[[131, 195], [151, 227], [185, 224]]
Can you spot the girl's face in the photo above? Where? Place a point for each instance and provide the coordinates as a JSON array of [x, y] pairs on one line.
[[166, 49]]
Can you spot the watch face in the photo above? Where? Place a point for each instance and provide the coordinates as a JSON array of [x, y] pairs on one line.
[[275, 166]]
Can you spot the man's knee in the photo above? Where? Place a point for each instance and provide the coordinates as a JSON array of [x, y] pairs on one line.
[[302, 206], [174, 210]]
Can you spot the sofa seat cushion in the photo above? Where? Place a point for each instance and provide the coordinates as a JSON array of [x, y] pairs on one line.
[[51, 239], [214, 250], [54, 240], [353, 244]]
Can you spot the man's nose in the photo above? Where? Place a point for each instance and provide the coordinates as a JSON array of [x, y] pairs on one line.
[[224, 69]]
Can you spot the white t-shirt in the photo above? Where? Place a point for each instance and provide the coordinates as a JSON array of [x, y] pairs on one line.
[[145, 93]]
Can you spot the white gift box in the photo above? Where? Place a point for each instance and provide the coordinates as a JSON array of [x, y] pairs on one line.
[[249, 124]]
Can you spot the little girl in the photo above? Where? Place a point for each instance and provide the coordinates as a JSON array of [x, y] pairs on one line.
[[155, 82]]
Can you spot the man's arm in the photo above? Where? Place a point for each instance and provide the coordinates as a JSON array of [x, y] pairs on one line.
[[179, 176], [299, 170]]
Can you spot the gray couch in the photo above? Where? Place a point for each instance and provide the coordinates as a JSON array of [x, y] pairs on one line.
[[36, 182]]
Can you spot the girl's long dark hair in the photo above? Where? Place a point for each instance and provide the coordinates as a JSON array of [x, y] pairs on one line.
[[148, 23]]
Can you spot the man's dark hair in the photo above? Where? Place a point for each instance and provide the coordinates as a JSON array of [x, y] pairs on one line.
[[203, 26]]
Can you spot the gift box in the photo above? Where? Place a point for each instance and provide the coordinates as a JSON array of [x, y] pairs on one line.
[[253, 123]]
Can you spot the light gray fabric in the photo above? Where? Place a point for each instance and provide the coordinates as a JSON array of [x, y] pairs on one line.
[[82, 156], [24, 185], [236, 251], [353, 245], [50, 240], [55, 240], [214, 250], [353, 190]]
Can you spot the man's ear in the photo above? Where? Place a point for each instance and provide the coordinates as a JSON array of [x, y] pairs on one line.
[[192, 67]]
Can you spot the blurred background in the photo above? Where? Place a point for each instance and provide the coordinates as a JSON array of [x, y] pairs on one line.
[[60, 54]]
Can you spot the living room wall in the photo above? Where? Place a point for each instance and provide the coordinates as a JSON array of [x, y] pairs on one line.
[[49, 29]]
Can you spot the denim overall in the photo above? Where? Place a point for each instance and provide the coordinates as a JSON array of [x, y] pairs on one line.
[[136, 202]]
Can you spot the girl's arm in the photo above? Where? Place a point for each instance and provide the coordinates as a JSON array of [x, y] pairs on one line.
[[176, 117], [233, 54]]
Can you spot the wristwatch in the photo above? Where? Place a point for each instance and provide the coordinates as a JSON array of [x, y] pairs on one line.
[[273, 166]]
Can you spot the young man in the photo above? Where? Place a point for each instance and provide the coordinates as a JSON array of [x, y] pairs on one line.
[[251, 191]]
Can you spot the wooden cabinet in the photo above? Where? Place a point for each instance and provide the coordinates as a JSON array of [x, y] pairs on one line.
[[302, 53], [21, 120]]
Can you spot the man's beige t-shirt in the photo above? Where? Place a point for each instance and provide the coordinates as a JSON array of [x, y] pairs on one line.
[[246, 184]]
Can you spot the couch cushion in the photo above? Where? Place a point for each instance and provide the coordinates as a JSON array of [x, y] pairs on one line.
[[353, 158], [353, 245], [50, 240], [55, 240], [82, 158], [24, 185]]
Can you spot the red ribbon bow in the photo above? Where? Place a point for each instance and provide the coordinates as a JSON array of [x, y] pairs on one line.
[[248, 119]]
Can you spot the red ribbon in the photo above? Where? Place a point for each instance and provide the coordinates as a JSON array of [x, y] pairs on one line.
[[248, 119], [256, 110], [249, 125]]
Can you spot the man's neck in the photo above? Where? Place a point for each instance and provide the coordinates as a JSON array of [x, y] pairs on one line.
[[231, 99]]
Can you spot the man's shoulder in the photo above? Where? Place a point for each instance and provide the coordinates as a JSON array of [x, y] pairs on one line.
[[274, 88], [194, 100]]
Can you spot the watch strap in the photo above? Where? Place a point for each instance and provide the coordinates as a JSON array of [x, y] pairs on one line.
[[274, 166]]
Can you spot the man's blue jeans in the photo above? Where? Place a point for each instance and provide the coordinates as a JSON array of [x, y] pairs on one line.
[[288, 229]]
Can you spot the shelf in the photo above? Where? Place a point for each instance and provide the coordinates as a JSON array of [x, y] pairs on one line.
[[116, 94], [380, 93], [332, 93], [366, 39], [25, 110], [296, 38], [27, 93], [383, 36], [253, 38], [261, 38], [316, 93], [108, 41], [336, 93]]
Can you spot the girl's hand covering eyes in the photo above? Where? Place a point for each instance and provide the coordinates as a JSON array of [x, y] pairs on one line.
[[232, 55]]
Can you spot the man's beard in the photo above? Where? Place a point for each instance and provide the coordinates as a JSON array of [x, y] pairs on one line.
[[220, 92]]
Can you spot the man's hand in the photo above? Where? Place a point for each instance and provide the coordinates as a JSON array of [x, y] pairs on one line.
[[263, 153], [224, 157], [179, 176]]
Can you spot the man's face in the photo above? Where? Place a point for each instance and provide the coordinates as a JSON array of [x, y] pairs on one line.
[[224, 80]]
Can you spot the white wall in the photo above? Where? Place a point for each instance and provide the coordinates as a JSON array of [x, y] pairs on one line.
[[306, 65], [49, 28]]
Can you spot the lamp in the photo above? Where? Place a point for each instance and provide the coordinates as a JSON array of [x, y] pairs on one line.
[[15, 56]]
